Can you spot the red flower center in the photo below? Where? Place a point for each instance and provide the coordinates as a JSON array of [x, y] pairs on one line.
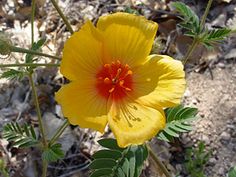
[[114, 80]]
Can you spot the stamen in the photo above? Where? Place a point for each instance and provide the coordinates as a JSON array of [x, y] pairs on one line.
[[122, 85], [107, 80], [114, 80], [127, 89], [118, 72], [129, 72], [112, 89], [118, 62], [107, 66]]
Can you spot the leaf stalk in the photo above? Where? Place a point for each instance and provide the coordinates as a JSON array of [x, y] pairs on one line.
[[29, 65], [62, 16], [195, 40], [22, 50], [59, 132]]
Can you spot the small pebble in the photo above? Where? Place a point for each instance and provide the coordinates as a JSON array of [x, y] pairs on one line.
[[225, 136], [221, 65]]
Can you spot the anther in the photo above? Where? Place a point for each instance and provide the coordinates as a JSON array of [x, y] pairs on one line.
[[127, 89], [122, 83], [112, 89], [129, 72], [118, 62], [107, 80], [118, 72], [107, 66]]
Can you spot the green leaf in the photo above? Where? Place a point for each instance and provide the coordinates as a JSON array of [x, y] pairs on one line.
[[131, 11], [120, 172], [171, 113], [53, 153], [110, 143], [101, 172], [21, 136], [171, 132], [141, 154], [113, 154], [178, 121], [29, 58], [196, 160], [123, 162], [232, 172], [132, 161], [13, 74], [190, 20], [102, 163], [209, 38]]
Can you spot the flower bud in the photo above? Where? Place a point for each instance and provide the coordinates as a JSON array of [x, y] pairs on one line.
[[5, 45]]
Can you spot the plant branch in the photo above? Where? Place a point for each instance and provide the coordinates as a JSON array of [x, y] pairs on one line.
[[32, 20], [35, 96], [59, 132], [158, 161], [22, 50], [196, 37], [190, 50], [45, 167], [62, 16], [203, 20], [29, 65]]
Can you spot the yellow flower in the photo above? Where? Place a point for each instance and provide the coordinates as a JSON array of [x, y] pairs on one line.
[[115, 82]]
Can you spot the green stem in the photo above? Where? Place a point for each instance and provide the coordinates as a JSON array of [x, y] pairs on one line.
[[62, 16], [59, 132], [35, 96], [29, 65], [196, 38], [190, 50], [45, 167], [203, 20], [158, 162], [32, 21], [22, 50]]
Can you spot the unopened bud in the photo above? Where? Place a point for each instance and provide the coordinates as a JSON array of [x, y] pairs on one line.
[[5, 45]]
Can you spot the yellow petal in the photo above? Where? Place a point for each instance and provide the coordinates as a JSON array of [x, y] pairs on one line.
[[133, 123], [82, 53], [81, 105], [127, 37], [160, 81]]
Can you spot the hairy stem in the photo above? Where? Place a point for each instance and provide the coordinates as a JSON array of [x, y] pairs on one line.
[[22, 50], [196, 38], [29, 65], [190, 50], [45, 167], [62, 16], [35, 97], [59, 132], [203, 20], [33, 4], [158, 162]]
